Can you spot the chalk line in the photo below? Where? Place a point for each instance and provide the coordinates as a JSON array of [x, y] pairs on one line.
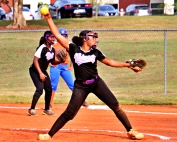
[[92, 107], [97, 107], [85, 130]]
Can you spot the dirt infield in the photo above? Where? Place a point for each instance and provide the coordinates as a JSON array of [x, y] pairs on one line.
[[92, 124]]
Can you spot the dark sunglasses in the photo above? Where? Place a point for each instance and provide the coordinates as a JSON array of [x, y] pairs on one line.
[[49, 35], [91, 34]]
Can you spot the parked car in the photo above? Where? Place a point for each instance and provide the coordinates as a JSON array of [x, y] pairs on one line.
[[138, 10], [2, 14], [37, 14], [105, 10], [70, 8], [26, 13]]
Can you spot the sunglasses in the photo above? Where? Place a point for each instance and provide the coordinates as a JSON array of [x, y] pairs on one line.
[[95, 35], [49, 35], [89, 34]]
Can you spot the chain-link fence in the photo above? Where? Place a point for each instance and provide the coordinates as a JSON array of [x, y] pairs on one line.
[[157, 46]]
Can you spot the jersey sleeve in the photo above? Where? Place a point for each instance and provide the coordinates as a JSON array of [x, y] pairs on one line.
[[38, 51], [72, 49], [100, 56]]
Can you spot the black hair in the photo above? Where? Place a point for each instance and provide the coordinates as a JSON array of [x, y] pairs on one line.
[[78, 40], [47, 33], [83, 33], [42, 41]]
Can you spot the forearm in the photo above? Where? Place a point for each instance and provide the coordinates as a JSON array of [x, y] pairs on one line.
[[62, 40], [54, 62], [114, 63], [118, 64], [41, 74], [36, 64], [71, 64]]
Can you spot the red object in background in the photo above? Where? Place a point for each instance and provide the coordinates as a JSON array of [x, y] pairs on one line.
[[124, 3], [5, 7]]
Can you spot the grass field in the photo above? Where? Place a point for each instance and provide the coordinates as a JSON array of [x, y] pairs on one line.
[[17, 49], [119, 22]]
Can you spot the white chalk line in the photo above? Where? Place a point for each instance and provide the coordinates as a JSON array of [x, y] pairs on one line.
[[97, 107], [93, 107], [85, 130]]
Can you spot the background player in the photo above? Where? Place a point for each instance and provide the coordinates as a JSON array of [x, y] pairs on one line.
[[44, 54]]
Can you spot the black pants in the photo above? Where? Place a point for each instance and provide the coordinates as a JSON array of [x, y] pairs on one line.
[[80, 93], [46, 85]]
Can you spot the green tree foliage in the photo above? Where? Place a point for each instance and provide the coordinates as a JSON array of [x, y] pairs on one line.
[[6, 2], [162, 5], [42, 4], [175, 4]]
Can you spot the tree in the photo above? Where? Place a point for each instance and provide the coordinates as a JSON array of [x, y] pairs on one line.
[[175, 4], [161, 7], [18, 18]]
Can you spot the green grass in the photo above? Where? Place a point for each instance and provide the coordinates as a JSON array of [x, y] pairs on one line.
[[147, 87], [119, 22]]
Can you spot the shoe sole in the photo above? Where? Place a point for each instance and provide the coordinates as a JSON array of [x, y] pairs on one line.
[[135, 138], [43, 113], [42, 137], [31, 114]]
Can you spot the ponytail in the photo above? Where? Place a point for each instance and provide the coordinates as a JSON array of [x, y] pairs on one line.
[[77, 40], [42, 41]]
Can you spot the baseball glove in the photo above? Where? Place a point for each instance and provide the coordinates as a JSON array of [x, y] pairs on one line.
[[137, 65], [61, 54]]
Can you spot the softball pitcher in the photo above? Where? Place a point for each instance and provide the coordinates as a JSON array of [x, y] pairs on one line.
[[84, 55]]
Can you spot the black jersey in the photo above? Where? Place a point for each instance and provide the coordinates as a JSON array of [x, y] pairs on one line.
[[45, 56], [85, 63]]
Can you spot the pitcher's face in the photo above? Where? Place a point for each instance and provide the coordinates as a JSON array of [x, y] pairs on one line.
[[91, 38]]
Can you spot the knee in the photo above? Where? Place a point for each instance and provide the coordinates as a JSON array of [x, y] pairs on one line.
[[114, 105], [49, 91], [67, 116], [117, 108], [38, 92], [54, 88]]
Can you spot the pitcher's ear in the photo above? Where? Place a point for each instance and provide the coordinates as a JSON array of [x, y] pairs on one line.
[[84, 39]]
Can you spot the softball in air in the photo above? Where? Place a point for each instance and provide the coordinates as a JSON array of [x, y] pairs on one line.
[[44, 10]]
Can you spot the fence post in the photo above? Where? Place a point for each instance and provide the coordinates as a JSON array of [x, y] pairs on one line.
[[75, 32], [165, 62]]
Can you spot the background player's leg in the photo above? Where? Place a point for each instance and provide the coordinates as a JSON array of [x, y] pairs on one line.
[[39, 90], [48, 91], [54, 77]]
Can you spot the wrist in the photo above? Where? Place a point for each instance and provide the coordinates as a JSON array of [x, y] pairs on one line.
[[128, 64]]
